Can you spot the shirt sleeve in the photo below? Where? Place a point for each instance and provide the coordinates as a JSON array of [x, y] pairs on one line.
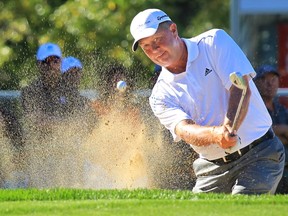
[[167, 110]]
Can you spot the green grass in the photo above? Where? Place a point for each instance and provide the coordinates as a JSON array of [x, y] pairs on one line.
[[136, 202]]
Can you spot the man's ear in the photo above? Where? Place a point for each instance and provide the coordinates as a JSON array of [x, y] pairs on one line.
[[173, 28]]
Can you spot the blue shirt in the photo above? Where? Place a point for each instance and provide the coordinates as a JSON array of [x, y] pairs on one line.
[[279, 116]]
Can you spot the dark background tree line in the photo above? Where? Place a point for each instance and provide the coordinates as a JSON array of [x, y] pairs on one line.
[[95, 31]]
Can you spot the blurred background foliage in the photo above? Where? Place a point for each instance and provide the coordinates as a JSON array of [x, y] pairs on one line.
[[95, 31]]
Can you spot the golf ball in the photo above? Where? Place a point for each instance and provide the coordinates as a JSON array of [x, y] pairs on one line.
[[121, 86]]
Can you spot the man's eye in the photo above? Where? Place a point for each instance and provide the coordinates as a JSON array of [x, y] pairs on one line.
[[157, 40], [146, 46]]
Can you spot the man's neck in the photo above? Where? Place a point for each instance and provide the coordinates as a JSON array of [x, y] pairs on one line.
[[180, 65]]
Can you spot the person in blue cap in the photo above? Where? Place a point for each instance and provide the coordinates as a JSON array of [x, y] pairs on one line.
[[41, 97], [49, 62], [81, 118], [42, 110], [71, 73], [71, 70], [267, 82]]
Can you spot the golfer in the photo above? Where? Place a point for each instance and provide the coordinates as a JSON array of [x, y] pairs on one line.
[[195, 99]]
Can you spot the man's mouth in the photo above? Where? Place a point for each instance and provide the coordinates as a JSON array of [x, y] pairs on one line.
[[160, 56]]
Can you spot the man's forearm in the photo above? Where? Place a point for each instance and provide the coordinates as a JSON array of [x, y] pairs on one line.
[[205, 135], [195, 134]]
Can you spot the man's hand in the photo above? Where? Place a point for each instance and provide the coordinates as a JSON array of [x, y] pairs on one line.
[[225, 137]]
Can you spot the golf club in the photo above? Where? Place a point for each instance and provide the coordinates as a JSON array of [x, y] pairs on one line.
[[237, 80]]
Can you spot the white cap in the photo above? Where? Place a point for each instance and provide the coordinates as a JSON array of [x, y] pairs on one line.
[[146, 23]]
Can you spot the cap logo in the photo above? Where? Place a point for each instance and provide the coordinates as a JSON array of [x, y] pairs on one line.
[[149, 21], [161, 17]]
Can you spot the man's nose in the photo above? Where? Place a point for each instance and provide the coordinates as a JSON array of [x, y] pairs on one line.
[[269, 82], [155, 47]]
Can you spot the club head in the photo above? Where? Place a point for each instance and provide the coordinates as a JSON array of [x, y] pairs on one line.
[[237, 80]]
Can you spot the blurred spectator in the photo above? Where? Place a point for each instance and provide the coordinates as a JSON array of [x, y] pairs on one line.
[[41, 99], [76, 105], [41, 104], [37, 101], [78, 120], [267, 82], [71, 73], [71, 69]]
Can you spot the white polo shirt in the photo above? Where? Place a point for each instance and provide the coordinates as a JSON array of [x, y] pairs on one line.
[[201, 93]]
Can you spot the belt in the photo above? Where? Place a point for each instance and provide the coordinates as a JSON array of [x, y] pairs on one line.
[[236, 155]]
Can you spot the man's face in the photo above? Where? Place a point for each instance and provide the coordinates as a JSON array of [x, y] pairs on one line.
[[161, 47], [50, 70], [268, 85]]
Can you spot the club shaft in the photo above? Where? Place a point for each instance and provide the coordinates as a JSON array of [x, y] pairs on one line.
[[238, 110]]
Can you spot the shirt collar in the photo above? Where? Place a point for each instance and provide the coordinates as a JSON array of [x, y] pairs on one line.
[[193, 52]]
